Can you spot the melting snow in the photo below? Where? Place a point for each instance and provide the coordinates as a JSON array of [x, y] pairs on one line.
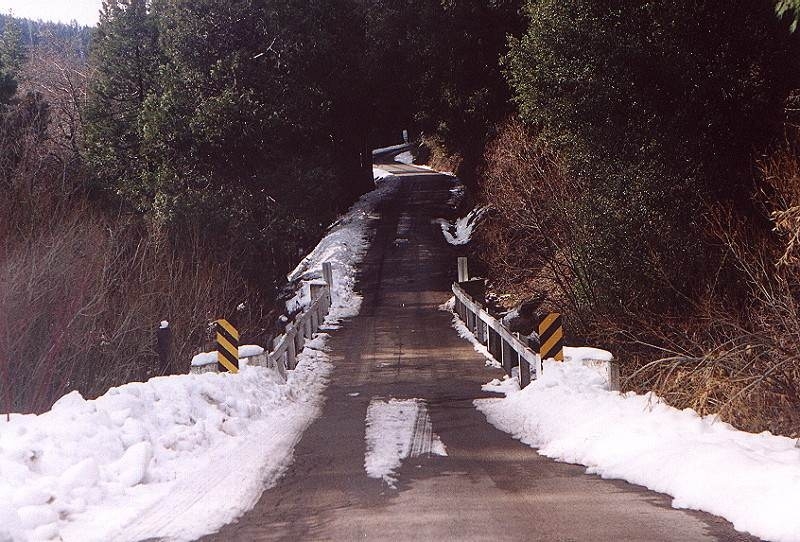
[[460, 231], [752, 480], [396, 430]]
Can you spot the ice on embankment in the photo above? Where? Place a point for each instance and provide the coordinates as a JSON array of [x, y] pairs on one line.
[[460, 231], [752, 480]]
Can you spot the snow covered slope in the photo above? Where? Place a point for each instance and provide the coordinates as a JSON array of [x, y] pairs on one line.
[[460, 231], [753, 480]]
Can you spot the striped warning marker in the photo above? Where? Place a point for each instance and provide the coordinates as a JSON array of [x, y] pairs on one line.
[[551, 337], [227, 347]]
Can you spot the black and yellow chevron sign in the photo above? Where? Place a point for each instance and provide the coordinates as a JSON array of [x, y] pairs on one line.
[[551, 337], [227, 347]]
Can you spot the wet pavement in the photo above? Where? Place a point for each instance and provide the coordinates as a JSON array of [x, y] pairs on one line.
[[489, 486]]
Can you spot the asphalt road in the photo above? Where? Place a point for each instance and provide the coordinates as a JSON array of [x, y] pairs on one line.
[[489, 486]]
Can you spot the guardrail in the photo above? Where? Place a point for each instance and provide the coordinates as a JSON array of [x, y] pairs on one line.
[[287, 346], [508, 348]]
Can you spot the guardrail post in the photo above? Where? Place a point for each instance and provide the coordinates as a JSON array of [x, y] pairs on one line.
[[495, 346], [480, 330], [510, 359], [463, 270], [317, 291], [291, 349], [533, 344], [524, 368], [613, 376], [327, 274], [278, 359]]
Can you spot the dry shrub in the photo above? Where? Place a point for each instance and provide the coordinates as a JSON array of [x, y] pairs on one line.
[[529, 234], [737, 357], [80, 303], [734, 351], [433, 153], [57, 71], [83, 289]]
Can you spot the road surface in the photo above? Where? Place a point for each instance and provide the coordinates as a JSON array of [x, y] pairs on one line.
[[489, 486]]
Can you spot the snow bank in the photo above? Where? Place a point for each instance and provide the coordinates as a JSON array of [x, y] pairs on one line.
[[204, 358], [178, 457], [405, 158], [395, 430], [344, 247], [753, 480], [379, 174], [460, 231], [113, 457]]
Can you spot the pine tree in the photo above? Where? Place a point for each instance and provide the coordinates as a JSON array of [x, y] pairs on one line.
[[127, 58], [12, 49]]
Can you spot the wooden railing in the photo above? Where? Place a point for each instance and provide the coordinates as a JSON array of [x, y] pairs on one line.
[[508, 348]]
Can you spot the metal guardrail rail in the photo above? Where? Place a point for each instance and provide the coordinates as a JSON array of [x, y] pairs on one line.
[[508, 348], [286, 347]]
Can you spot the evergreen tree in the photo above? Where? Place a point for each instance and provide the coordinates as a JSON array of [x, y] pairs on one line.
[[12, 49], [653, 103], [127, 57]]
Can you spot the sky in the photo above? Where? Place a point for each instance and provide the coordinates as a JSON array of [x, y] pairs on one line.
[[83, 11]]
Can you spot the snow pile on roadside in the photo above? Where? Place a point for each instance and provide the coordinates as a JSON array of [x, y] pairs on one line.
[[178, 457], [85, 468], [210, 358], [379, 174], [344, 247], [405, 158], [753, 480], [397, 429], [460, 231]]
